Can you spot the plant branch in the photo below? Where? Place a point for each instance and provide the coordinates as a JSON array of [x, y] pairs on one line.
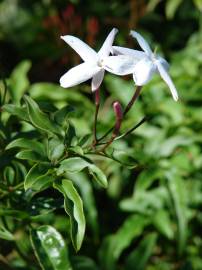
[[133, 128]]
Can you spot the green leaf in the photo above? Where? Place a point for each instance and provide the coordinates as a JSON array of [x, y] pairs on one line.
[[19, 81], [38, 178], [198, 4], [39, 119], [27, 144], [83, 263], [9, 175], [178, 195], [16, 214], [70, 135], [81, 181], [72, 165], [58, 94], [5, 234], [49, 248], [98, 175], [30, 155], [171, 7], [55, 149], [77, 164], [61, 115], [146, 178], [20, 112], [74, 208], [162, 222], [114, 245], [142, 253]]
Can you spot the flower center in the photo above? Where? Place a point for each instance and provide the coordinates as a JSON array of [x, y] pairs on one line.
[[100, 63]]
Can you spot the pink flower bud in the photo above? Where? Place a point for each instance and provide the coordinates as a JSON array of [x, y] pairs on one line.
[[119, 116], [118, 110]]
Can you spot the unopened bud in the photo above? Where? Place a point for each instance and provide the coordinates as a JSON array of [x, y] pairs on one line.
[[119, 115], [118, 110]]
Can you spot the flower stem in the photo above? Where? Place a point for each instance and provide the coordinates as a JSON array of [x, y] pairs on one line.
[[97, 106], [133, 99], [133, 128]]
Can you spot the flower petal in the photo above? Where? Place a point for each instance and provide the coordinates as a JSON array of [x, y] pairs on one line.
[[126, 51], [166, 77], [106, 47], [85, 52], [120, 64], [142, 42], [97, 80], [78, 74], [163, 62], [143, 71]]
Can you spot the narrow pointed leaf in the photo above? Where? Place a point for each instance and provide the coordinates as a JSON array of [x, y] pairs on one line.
[[30, 155], [38, 178], [19, 81], [77, 164], [98, 175], [40, 119], [20, 112], [74, 208], [27, 144]]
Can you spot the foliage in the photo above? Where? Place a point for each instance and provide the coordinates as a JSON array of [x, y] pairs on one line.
[[65, 205]]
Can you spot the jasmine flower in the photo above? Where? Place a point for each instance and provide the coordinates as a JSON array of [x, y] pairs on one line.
[[147, 63], [95, 63]]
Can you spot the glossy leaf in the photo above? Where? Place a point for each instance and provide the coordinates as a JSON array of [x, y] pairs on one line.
[[5, 234], [27, 144], [55, 148], [39, 119], [38, 178], [19, 81], [30, 155], [74, 208], [49, 248], [20, 112], [61, 115], [81, 181], [72, 165], [98, 175], [77, 164]]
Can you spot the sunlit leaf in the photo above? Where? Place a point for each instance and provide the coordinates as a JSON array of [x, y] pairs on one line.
[[77, 164], [39, 118], [38, 178], [74, 208], [49, 248], [27, 144], [30, 155], [18, 82], [20, 112]]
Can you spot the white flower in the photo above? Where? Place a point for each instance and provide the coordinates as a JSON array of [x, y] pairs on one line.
[[95, 63], [147, 63]]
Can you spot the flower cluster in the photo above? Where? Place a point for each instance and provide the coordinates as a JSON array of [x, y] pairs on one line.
[[117, 60]]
